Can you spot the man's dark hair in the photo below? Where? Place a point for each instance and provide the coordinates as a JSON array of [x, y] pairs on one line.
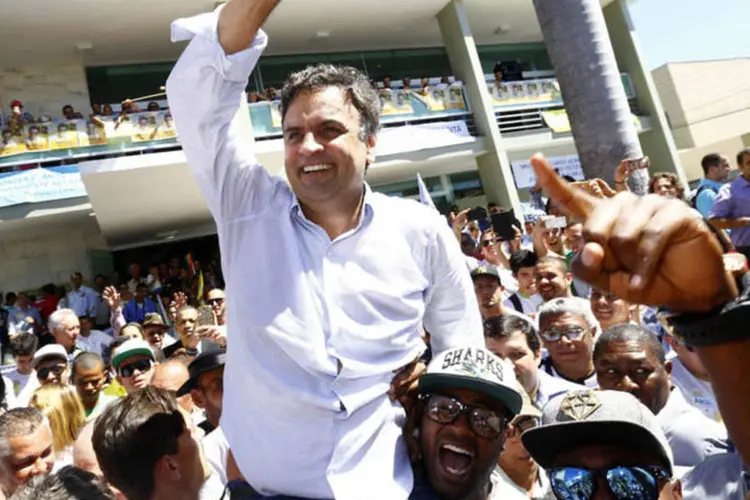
[[49, 289], [24, 344], [502, 327], [18, 422], [141, 286], [360, 92], [627, 332], [710, 160], [521, 259], [672, 178], [69, 483], [10, 297], [741, 155], [133, 434], [87, 361], [78, 275]]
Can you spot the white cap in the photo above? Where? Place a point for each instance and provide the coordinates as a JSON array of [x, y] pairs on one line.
[[49, 351]]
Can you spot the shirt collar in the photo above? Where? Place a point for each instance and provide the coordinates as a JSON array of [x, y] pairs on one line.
[[367, 205]]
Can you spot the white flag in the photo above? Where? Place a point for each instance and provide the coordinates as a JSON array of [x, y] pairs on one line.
[[424, 194]]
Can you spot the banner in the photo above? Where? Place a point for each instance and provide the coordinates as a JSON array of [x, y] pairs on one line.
[[145, 127], [40, 184], [565, 165], [37, 137], [557, 120], [63, 134], [417, 137], [11, 144]]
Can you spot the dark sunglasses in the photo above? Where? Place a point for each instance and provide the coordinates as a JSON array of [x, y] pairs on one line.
[[43, 373], [487, 243], [484, 422], [625, 483], [142, 365], [215, 301]]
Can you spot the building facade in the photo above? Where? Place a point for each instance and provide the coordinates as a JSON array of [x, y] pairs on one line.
[[77, 196]]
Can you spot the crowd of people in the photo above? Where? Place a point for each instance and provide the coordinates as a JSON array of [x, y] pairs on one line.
[[372, 349]]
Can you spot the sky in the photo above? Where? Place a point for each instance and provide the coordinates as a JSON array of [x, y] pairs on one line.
[[691, 30]]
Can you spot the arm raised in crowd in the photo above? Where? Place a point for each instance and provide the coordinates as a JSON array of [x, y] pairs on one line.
[[205, 91], [655, 251]]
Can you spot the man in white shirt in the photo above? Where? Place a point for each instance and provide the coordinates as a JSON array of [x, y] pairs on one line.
[[22, 376], [23, 317], [91, 340], [325, 312], [81, 299]]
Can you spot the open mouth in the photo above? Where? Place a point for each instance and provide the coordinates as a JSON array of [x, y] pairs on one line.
[[603, 313], [455, 460], [314, 169]]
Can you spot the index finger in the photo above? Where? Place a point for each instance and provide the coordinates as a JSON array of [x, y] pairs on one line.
[[576, 201]]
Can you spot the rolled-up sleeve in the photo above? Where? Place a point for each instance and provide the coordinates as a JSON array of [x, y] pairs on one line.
[[204, 91], [451, 310], [721, 208]]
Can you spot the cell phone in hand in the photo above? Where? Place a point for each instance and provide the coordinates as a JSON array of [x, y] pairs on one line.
[[502, 224], [206, 316], [639, 164], [556, 223]]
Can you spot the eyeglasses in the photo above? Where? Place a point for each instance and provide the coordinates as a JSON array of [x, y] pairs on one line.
[[523, 424], [484, 422], [487, 243], [43, 373], [625, 483], [218, 300], [142, 365], [571, 333]]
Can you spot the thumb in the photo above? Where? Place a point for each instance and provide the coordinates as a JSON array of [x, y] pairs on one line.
[[588, 266]]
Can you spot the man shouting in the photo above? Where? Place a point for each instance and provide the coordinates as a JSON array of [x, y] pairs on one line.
[[328, 283]]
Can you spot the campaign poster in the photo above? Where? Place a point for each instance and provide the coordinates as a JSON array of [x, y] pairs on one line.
[[11, 144], [63, 134], [166, 126], [386, 102], [144, 126], [37, 137], [96, 134], [455, 98], [401, 102], [275, 107]]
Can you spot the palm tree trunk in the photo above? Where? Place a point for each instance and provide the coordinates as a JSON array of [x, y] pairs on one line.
[[581, 52]]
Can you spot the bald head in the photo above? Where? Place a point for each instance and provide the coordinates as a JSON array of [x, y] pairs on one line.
[[170, 375]]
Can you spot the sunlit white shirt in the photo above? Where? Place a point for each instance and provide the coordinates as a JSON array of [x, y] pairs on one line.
[[299, 304]]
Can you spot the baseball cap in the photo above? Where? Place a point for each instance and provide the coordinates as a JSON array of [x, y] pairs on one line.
[[129, 349], [154, 319], [488, 271], [528, 409], [204, 362], [581, 418], [48, 352], [475, 369]]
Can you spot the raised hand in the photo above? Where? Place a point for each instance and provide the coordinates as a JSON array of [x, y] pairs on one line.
[[646, 250], [112, 297]]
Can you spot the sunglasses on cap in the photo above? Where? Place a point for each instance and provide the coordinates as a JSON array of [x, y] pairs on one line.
[[142, 365], [485, 423], [572, 333], [43, 373], [624, 482]]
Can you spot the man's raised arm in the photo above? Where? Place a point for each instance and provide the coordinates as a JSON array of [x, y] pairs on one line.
[[205, 90]]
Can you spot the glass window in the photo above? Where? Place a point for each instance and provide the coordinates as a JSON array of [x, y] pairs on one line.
[[532, 56], [466, 184]]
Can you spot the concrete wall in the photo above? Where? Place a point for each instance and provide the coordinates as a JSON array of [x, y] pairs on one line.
[[45, 90], [31, 258], [691, 158]]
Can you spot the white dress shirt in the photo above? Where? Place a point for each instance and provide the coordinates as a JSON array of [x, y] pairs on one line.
[[697, 392], [83, 301], [95, 342], [317, 328]]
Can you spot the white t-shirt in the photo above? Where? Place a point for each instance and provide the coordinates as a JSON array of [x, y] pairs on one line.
[[9, 401], [22, 385], [216, 450], [94, 342], [503, 487], [528, 304], [697, 392]]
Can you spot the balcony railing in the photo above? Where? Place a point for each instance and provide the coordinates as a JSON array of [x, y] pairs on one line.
[[519, 106]]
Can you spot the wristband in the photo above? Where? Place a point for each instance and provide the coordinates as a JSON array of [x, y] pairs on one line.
[[724, 324], [191, 351]]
